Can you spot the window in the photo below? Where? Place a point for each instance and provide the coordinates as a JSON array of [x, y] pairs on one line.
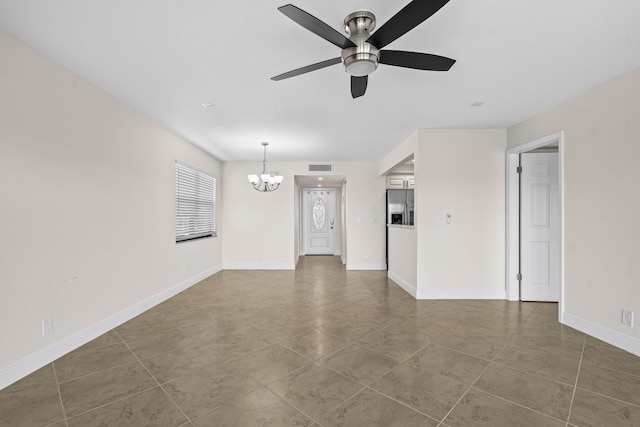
[[195, 204]]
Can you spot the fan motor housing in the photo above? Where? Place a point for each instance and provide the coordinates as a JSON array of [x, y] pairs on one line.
[[363, 58]]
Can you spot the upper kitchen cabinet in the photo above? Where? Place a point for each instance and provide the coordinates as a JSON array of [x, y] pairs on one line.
[[400, 182]]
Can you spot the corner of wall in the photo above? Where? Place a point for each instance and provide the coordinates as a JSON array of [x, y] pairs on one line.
[[35, 361]]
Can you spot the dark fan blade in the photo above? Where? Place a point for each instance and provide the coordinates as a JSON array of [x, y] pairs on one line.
[[419, 61], [316, 26], [307, 69], [358, 85], [404, 21]]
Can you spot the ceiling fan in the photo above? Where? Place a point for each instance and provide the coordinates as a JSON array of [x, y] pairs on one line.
[[362, 51]]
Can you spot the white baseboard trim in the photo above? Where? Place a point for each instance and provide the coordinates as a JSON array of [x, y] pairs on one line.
[[615, 338], [411, 290], [369, 267], [462, 294], [35, 361], [260, 266], [338, 253]]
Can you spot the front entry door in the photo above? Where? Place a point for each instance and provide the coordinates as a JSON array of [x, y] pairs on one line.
[[539, 227], [319, 221]]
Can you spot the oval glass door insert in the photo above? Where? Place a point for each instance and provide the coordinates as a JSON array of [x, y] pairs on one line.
[[319, 214]]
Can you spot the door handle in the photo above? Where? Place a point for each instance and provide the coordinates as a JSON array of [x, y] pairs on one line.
[[331, 221]]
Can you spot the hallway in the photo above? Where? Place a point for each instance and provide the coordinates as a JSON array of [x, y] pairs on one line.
[[322, 346]]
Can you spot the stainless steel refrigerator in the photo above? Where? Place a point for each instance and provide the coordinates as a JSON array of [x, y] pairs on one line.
[[399, 211], [400, 207]]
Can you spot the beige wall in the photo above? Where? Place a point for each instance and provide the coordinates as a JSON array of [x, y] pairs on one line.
[[403, 267], [365, 223], [260, 228], [461, 172], [87, 193], [602, 201]]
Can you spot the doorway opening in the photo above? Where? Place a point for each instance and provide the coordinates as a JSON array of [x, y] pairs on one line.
[[513, 252], [320, 226], [319, 221]]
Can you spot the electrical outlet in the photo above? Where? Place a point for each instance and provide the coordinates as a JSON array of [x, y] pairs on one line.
[[627, 318], [47, 326]]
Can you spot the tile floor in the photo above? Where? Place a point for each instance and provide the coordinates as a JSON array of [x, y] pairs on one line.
[[322, 346]]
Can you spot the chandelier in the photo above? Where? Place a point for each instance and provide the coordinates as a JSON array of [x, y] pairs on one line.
[[265, 181]]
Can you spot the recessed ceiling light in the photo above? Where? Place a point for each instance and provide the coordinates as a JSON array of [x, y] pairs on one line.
[[477, 104], [208, 104], [319, 185], [319, 178]]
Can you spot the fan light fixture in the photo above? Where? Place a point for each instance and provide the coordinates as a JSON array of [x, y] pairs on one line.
[[362, 59], [265, 181], [362, 52]]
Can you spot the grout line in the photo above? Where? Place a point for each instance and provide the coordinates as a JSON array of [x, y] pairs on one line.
[[376, 379], [313, 419], [112, 402], [157, 382], [471, 354], [609, 397], [100, 348], [315, 361], [441, 422], [607, 368], [477, 378], [97, 372], [55, 375], [242, 371], [123, 398], [575, 386], [402, 403], [182, 329], [518, 404], [535, 374], [364, 387], [493, 362], [233, 358]]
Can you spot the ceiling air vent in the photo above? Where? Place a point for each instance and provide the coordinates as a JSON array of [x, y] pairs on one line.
[[319, 168]]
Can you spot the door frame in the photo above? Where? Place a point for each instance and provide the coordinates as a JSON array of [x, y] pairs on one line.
[[304, 213], [513, 214]]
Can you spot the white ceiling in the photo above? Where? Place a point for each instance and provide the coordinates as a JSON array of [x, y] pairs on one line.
[[166, 57]]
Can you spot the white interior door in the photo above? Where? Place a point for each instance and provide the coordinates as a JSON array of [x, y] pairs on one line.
[[539, 227], [319, 221]]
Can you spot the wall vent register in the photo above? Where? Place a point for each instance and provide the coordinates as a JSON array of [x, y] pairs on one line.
[[320, 168]]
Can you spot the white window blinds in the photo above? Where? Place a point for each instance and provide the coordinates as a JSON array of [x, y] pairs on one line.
[[195, 203]]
